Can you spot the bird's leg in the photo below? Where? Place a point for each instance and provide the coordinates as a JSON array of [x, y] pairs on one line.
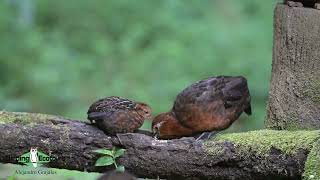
[[206, 135]]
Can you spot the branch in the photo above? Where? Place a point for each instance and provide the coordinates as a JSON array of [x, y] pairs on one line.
[[263, 154]]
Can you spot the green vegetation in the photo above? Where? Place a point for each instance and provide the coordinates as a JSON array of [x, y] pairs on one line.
[[109, 157], [312, 165], [58, 58], [25, 118], [262, 141]]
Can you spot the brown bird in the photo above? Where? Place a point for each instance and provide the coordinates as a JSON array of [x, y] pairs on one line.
[[118, 115], [208, 105]]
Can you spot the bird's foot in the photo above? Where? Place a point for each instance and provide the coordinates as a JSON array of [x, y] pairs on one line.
[[206, 135]]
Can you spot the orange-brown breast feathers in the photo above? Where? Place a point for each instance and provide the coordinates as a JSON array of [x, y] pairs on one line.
[[166, 126], [204, 117]]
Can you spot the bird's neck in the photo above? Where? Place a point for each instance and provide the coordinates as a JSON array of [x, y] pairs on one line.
[[171, 128]]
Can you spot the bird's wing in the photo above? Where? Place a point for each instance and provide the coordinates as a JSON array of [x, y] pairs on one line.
[[196, 99], [211, 96], [107, 106]]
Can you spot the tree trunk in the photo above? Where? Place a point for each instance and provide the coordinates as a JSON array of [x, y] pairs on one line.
[[264, 154], [294, 98]]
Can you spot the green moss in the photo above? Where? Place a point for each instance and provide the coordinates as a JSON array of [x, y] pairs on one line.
[[294, 124], [25, 118], [214, 148], [65, 136], [312, 165], [262, 141]]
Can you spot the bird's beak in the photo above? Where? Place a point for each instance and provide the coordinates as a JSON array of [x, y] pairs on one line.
[[156, 133]]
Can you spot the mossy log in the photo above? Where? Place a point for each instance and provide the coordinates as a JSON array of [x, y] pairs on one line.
[[294, 98], [263, 154]]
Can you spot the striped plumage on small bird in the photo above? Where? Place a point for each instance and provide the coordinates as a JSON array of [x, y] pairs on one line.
[[118, 115]]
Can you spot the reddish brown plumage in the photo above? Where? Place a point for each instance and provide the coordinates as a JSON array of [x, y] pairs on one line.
[[118, 115], [166, 123], [212, 104]]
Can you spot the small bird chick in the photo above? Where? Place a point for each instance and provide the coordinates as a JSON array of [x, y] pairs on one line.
[[118, 115], [208, 105]]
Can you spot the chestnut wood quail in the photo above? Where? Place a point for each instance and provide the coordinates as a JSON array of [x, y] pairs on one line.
[[207, 106], [118, 115]]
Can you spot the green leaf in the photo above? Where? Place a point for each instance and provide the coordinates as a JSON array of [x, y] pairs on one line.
[[119, 153], [104, 161], [104, 151], [120, 169]]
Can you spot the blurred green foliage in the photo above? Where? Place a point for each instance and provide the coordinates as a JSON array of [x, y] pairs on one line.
[[59, 56]]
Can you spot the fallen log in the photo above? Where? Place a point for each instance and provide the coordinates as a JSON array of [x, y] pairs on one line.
[[263, 154]]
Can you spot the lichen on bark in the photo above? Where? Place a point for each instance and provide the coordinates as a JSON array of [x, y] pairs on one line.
[[25, 118]]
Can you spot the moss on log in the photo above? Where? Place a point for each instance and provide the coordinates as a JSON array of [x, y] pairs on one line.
[[312, 165]]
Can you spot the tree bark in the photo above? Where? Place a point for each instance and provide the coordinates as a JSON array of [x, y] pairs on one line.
[[294, 98], [72, 143]]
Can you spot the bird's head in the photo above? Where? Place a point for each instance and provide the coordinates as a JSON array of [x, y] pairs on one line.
[[144, 110], [158, 121], [166, 126]]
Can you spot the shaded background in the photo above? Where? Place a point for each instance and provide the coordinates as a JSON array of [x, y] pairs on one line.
[[60, 56]]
